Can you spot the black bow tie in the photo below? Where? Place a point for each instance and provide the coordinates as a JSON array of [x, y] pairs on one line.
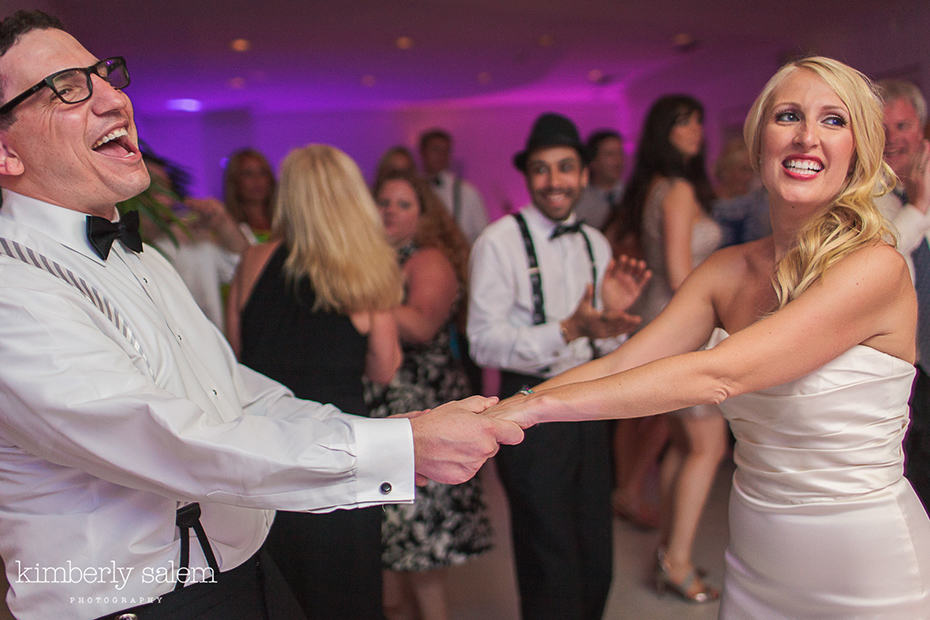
[[564, 229], [101, 233]]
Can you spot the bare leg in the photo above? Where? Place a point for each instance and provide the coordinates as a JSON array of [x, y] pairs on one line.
[[398, 601], [707, 446], [668, 475], [429, 589], [643, 443]]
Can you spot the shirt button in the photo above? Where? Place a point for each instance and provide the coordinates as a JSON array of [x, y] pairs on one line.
[[179, 337], [386, 488], [215, 393]]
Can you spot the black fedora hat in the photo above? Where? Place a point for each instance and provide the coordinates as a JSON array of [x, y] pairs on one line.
[[551, 129]]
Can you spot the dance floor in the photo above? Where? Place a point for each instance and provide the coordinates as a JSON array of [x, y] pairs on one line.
[[485, 589]]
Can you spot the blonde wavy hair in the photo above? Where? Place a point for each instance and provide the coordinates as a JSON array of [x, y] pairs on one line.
[[333, 232], [851, 221]]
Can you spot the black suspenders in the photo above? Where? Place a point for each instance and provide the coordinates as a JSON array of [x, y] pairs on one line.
[[539, 312], [539, 307]]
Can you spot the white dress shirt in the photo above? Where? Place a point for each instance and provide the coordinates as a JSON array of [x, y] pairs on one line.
[[500, 303], [472, 216], [908, 223], [100, 444]]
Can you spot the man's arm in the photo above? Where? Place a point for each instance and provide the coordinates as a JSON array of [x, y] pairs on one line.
[[70, 394]]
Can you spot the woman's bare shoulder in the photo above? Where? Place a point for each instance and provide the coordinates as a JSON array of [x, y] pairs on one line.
[[428, 258]]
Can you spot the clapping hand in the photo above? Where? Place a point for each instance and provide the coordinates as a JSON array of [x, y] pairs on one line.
[[623, 282]]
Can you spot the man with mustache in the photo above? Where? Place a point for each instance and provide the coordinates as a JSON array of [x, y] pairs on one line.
[[544, 297]]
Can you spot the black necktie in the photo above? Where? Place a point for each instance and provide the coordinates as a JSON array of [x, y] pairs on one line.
[[102, 232], [564, 229]]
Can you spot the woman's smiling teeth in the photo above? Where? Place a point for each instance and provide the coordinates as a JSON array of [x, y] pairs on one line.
[[808, 167]]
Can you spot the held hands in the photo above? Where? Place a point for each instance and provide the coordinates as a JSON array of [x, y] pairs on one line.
[[451, 442], [516, 409]]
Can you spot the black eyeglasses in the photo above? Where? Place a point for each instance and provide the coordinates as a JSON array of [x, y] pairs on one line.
[[75, 85]]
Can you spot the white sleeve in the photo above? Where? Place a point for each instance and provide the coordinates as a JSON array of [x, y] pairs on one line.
[[908, 223], [474, 216], [71, 395]]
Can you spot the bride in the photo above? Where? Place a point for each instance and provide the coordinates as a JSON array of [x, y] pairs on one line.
[[809, 349]]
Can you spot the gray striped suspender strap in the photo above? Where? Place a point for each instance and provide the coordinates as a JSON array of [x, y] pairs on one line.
[[187, 516], [16, 250]]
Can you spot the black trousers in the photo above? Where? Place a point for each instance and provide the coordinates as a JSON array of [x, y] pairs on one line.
[[332, 561], [917, 441], [558, 485], [254, 590]]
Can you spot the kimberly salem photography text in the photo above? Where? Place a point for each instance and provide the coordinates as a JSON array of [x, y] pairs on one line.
[[119, 576]]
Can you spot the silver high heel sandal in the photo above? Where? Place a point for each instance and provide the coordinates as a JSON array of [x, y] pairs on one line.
[[664, 581]]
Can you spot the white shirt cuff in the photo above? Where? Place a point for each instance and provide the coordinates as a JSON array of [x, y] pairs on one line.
[[385, 472]]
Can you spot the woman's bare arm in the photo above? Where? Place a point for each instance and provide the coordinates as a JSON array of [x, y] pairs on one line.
[[866, 298], [431, 291], [384, 354]]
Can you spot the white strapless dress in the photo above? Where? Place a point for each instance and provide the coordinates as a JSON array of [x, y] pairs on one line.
[[822, 522]]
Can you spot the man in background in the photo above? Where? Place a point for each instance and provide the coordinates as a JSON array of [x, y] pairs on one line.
[[605, 187], [906, 207], [461, 197], [544, 298]]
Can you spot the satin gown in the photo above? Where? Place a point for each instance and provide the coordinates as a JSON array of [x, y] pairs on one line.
[[822, 522]]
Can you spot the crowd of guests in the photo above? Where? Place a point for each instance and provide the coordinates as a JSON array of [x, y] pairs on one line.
[[384, 318]]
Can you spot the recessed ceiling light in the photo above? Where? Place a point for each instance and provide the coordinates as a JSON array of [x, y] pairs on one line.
[[546, 40], [368, 80], [684, 42], [240, 45], [404, 42], [184, 105], [237, 83]]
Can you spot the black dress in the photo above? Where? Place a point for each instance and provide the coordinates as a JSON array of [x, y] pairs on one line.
[[331, 561]]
